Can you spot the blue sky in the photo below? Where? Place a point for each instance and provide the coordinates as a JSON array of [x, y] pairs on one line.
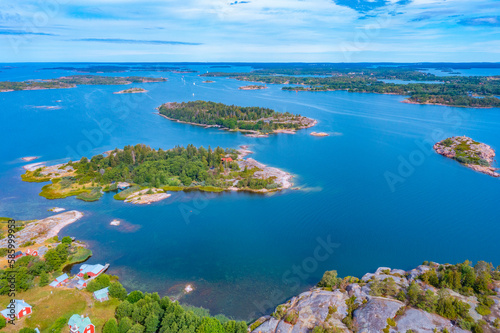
[[253, 30]]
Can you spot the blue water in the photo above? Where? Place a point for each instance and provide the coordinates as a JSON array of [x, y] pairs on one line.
[[241, 251]]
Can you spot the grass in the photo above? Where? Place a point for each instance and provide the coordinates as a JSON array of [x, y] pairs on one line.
[[55, 191], [173, 188], [125, 193], [49, 304], [94, 195], [30, 177], [82, 254]]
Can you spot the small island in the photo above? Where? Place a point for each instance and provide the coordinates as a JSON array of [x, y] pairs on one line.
[[255, 121], [320, 134], [208, 81], [474, 155], [131, 91], [142, 175], [75, 80], [253, 87]]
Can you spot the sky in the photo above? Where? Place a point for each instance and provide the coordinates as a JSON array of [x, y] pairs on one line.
[[250, 31]]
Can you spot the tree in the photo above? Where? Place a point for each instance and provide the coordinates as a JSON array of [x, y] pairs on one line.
[[27, 330], [125, 324], [329, 279], [44, 279], [151, 323], [66, 240], [100, 282], [210, 325], [3, 322], [135, 296], [137, 328], [111, 326], [117, 290]]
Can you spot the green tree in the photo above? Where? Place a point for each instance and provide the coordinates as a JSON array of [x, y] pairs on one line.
[[135, 296], [3, 322], [210, 325], [137, 328], [329, 279], [27, 330], [125, 324], [44, 279], [117, 290], [111, 326], [66, 240], [151, 323]]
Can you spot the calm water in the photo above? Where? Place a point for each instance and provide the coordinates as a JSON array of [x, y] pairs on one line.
[[241, 251]]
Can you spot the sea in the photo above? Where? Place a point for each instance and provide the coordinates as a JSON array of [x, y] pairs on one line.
[[371, 194]]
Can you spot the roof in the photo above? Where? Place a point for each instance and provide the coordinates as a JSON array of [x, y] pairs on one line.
[[62, 278], [19, 305], [79, 321], [101, 293], [18, 253], [95, 269]]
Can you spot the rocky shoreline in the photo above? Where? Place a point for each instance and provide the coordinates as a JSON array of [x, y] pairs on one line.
[[325, 309], [41, 230], [474, 155]]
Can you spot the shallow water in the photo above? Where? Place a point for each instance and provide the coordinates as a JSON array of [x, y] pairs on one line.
[[246, 253]]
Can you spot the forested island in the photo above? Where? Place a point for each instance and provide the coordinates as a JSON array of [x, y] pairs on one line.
[[73, 81], [254, 120], [147, 174], [253, 87], [474, 155], [472, 91], [131, 91]]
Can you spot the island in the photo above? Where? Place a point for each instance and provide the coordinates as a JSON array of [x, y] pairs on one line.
[[30, 158], [131, 91], [255, 121], [474, 155], [142, 175], [75, 80], [253, 87], [320, 134], [208, 81], [421, 87]]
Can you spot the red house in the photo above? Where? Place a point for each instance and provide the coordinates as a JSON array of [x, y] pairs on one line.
[[60, 280], [80, 324], [91, 270], [227, 159], [18, 255], [31, 252], [17, 309]]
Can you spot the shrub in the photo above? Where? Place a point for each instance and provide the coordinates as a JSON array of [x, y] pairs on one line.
[[280, 311], [3, 322], [329, 279], [391, 322], [66, 240], [28, 243], [292, 317], [483, 310]]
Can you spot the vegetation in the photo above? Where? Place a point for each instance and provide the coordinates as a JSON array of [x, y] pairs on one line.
[[232, 117], [74, 80], [174, 169], [473, 91]]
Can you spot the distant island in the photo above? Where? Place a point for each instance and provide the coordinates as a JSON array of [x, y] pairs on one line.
[[75, 80], [474, 155], [255, 121], [208, 81], [253, 87], [421, 87], [131, 91], [320, 134], [146, 174]]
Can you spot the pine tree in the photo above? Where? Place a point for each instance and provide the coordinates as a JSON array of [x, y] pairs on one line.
[[44, 279], [111, 326]]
